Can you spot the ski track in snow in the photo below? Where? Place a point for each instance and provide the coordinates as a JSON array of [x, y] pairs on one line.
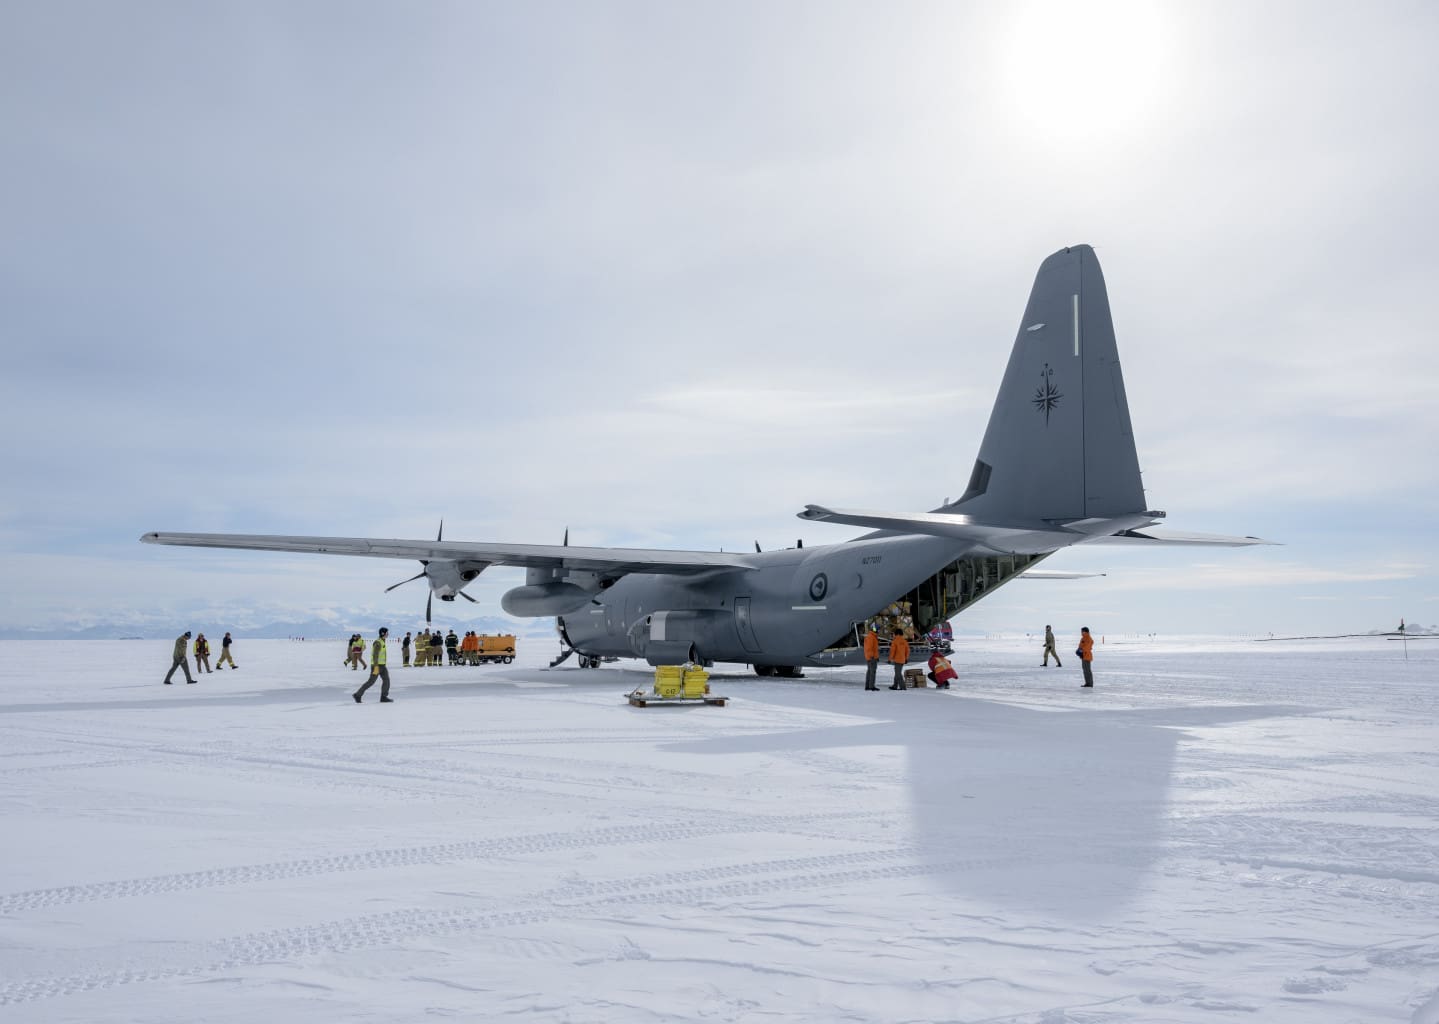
[[1263, 843]]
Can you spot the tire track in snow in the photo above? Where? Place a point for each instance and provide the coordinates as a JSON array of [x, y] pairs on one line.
[[540, 843], [735, 882]]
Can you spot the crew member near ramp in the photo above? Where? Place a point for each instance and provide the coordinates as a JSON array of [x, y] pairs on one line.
[[1085, 651], [898, 655], [941, 672], [182, 643], [871, 658], [377, 668]]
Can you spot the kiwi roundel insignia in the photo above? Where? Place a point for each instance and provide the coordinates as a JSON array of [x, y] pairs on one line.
[[818, 587]]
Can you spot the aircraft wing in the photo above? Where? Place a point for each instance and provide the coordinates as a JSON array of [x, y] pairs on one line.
[[609, 561]]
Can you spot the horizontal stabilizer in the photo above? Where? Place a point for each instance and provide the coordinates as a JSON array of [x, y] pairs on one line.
[[1158, 535], [1055, 574], [1007, 538]]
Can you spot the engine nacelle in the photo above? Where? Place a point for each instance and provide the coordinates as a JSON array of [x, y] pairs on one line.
[[446, 578], [544, 599]]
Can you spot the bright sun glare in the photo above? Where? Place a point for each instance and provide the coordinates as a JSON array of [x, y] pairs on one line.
[[1077, 73]]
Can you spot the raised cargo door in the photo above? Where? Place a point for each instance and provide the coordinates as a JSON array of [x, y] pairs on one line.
[[744, 624]]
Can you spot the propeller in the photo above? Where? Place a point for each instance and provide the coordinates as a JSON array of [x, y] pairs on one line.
[[429, 601]]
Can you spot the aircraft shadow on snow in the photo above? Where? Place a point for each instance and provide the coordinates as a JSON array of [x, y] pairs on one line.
[[1063, 812]]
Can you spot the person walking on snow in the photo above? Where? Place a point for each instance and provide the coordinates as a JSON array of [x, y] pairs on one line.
[[378, 669], [181, 643], [898, 655], [356, 658], [225, 654], [202, 653], [1085, 651], [1049, 649]]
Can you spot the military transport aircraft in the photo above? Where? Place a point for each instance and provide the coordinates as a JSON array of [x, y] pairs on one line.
[[1057, 467]]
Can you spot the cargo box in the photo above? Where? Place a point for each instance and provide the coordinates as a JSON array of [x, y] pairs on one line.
[[696, 682], [669, 679]]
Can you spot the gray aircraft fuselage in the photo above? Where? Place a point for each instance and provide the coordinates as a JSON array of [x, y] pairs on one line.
[[793, 605]]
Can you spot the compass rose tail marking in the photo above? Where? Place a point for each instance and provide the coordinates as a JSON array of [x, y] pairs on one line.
[[1059, 443]]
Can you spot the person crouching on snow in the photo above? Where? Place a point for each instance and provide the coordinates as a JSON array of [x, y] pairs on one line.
[[941, 672]]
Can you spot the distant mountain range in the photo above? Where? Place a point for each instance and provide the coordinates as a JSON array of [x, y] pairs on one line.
[[333, 622], [339, 626]]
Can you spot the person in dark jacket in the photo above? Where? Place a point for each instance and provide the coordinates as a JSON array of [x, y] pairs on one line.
[[225, 654], [437, 648], [181, 643], [452, 647], [405, 651]]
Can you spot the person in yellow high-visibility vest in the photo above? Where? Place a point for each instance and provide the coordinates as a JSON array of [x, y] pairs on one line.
[[378, 669]]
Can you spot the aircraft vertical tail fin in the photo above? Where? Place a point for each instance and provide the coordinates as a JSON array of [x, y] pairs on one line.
[[1059, 444]]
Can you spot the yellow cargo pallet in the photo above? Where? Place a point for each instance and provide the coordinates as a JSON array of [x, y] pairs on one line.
[[642, 699]]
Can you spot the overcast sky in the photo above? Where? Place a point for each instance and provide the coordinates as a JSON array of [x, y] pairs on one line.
[[662, 274]]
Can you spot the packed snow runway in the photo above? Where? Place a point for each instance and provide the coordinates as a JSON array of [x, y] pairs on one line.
[[1219, 831]]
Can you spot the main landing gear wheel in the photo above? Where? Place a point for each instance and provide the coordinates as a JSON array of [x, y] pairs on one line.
[[764, 670]]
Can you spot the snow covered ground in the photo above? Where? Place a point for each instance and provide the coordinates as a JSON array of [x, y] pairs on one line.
[[1219, 831]]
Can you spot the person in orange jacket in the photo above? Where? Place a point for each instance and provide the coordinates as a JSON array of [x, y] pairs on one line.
[[898, 655], [871, 658], [1085, 651]]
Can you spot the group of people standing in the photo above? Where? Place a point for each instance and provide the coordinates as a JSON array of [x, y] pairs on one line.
[[941, 671], [431, 648], [201, 650]]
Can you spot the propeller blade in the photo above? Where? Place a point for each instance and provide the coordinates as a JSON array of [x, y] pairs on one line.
[[429, 603], [468, 598], [567, 537], [441, 535], [756, 547], [412, 579]]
